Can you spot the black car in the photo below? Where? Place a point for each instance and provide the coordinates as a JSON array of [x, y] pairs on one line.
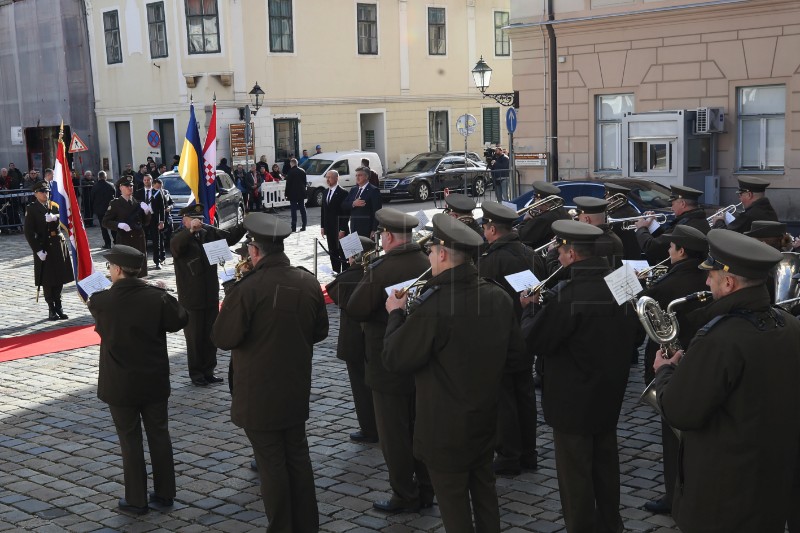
[[230, 205], [432, 172]]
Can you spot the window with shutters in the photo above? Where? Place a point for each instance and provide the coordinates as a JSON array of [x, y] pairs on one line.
[[437, 31], [761, 128], [281, 32], [367, 15], [608, 136], [202, 26], [113, 42], [157, 30], [491, 125]]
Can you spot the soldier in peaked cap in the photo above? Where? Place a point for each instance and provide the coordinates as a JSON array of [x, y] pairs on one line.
[[684, 203], [535, 229], [629, 243], [593, 211], [270, 321], [457, 368], [134, 374], [128, 218], [734, 397], [584, 339], [51, 263], [198, 291], [392, 392], [752, 195], [351, 347], [688, 248], [460, 206]]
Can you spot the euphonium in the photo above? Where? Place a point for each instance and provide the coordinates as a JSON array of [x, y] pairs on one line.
[[370, 256], [615, 201], [662, 328], [244, 265], [542, 206]]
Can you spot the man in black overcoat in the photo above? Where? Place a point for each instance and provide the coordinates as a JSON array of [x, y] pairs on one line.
[[296, 193], [129, 218], [334, 219]]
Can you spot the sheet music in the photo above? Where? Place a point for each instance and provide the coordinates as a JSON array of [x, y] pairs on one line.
[[423, 220], [637, 264], [399, 286], [94, 283], [623, 283], [653, 227], [729, 218], [351, 245], [522, 281], [217, 252]]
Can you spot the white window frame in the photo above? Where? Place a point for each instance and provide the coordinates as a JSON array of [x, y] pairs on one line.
[[598, 135], [495, 29], [763, 119]]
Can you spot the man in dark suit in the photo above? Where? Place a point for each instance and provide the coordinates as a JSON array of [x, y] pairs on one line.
[[334, 220], [134, 375], [102, 194], [150, 196], [362, 202], [296, 193], [159, 223]]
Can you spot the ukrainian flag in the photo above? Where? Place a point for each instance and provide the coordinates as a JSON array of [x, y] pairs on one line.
[[190, 165]]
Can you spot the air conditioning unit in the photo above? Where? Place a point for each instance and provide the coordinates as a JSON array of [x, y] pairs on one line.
[[709, 120]]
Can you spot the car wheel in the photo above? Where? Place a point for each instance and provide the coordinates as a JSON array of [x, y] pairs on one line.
[[422, 192], [478, 186], [239, 216], [216, 221], [318, 197]]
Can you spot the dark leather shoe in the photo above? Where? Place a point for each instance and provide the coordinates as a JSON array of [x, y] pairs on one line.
[[661, 506], [396, 506], [506, 468], [159, 503], [200, 382], [61, 314], [214, 379], [53, 315], [529, 465], [157, 267], [125, 507], [253, 465], [360, 436], [303, 228]]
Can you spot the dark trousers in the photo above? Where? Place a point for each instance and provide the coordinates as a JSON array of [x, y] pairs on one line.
[[287, 481], [516, 420], [338, 263], [394, 415], [294, 205], [107, 235], [200, 350], [128, 422], [362, 398], [670, 447], [588, 481], [52, 294], [454, 490], [157, 236]]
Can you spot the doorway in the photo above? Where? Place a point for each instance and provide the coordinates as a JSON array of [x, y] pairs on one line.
[[372, 132], [166, 130], [121, 149], [286, 141]]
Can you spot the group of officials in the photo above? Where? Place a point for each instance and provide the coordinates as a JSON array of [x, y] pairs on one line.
[[442, 373]]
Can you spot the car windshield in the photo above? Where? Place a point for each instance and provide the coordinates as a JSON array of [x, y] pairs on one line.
[[420, 165], [652, 196], [175, 185], [316, 166]]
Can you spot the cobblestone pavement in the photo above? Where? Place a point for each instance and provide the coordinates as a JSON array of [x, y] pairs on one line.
[[60, 468]]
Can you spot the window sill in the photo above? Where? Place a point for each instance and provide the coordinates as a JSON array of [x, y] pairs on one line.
[[781, 172]]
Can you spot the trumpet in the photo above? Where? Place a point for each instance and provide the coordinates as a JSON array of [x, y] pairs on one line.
[[730, 209], [538, 288], [630, 222], [542, 206], [543, 249], [413, 291], [615, 201]]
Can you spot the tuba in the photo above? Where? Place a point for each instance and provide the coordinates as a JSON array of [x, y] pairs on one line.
[[786, 285], [662, 328]]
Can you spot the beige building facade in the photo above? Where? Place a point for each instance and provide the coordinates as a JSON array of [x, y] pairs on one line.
[[390, 76], [621, 60]]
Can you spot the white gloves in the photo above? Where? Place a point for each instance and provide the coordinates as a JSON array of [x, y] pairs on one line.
[[146, 208], [42, 255], [123, 226], [50, 217]]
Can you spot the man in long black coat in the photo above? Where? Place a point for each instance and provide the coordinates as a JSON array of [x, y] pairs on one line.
[[755, 202], [102, 194], [334, 219], [133, 377], [296, 193], [129, 219], [51, 263], [362, 203]]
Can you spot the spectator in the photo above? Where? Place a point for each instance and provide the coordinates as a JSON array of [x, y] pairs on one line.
[[262, 164], [101, 195], [500, 167], [374, 179], [5, 179], [128, 170], [223, 166], [14, 172], [48, 174], [303, 158], [287, 165], [318, 149], [276, 172], [296, 193], [86, 186], [138, 178]]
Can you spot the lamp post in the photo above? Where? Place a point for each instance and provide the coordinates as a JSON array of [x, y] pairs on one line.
[[256, 97], [482, 75]]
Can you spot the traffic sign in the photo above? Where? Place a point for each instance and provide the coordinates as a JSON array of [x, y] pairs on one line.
[[466, 125], [76, 144], [511, 120], [153, 138]]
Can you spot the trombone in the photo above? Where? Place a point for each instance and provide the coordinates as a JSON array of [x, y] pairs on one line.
[[542, 206], [730, 209], [630, 222]]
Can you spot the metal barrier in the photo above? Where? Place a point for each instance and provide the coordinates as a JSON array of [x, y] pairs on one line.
[[273, 195], [12, 208]]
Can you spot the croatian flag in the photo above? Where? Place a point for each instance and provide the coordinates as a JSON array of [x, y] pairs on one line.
[[69, 211], [210, 166]]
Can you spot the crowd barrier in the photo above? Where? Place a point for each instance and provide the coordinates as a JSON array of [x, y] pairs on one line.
[[12, 208], [272, 194]]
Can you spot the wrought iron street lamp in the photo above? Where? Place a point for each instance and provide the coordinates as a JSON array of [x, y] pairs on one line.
[[482, 74], [256, 97]]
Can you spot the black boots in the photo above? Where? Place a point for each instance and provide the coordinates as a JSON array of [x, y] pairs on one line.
[[53, 315], [56, 311]]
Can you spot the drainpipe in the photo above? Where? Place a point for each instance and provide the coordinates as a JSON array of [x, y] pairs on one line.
[[553, 56]]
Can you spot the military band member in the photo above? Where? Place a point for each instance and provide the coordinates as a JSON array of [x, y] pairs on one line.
[[756, 205], [51, 263], [460, 207], [625, 210], [772, 233], [593, 211], [351, 348], [129, 218], [688, 248], [271, 320], [198, 291], [734, 396], [684, 202], [585, 339], [535, 229], [133, 375], [392, 392], [457, 368], [516, 419]]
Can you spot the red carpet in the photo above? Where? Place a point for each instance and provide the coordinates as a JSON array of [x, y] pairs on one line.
[[57, 340]]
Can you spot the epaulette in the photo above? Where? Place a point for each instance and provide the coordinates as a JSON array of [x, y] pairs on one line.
[[757, 320], [419, 300], [492, 281], [304, 269], [710, 325]]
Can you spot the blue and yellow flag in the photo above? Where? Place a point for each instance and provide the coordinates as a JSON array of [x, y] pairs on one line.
[[190, 166]]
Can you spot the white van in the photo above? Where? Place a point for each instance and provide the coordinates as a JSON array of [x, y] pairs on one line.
[[345, 163]]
